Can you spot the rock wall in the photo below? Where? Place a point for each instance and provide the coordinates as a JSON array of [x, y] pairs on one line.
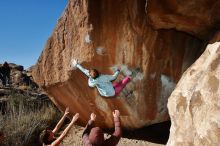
[[106, 34], [194, 105], [197, 17]]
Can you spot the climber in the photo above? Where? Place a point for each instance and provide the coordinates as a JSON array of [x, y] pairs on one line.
[[47, 136], [94, 136], [102, 82], [5, 74]]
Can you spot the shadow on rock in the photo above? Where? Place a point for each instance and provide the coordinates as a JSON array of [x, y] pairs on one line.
[[156, 133]]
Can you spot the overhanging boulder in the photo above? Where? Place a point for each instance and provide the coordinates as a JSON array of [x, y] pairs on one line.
[[105, 34]]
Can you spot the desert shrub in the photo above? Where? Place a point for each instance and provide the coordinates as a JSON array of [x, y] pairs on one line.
[[25, 119]]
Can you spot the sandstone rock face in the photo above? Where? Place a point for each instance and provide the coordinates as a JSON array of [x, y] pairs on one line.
[[197, 17], [106, 34], [194, 106]]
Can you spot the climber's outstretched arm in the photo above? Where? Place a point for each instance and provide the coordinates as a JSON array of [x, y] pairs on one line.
[[85, 71], [114, 76], [61, 137], [75, 64]]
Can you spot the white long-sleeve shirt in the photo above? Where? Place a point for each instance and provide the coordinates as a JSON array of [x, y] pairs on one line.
[[102, 82]]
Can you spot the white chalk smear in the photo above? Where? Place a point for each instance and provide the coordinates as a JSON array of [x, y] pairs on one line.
[[167, 86], [100, 50], [152, 76], [87, 38]]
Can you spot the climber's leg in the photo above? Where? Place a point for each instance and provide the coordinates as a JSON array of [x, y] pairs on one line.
[[116, 84], [126, 80], [120, 85]]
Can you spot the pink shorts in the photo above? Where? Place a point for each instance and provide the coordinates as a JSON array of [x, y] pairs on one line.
[[120, 85]]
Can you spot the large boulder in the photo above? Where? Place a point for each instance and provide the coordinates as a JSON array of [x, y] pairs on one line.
[[194, 105], [197, 17], [104, 34]]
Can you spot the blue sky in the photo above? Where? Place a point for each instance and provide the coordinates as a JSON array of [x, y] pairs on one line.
[[25, 26]]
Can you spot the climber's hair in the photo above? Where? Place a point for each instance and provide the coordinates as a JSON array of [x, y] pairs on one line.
[[96, 73], [44, 136]]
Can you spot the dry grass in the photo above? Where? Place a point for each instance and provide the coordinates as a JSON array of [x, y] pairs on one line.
[[24, 120]]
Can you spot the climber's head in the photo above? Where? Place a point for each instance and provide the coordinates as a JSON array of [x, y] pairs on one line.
[[94, 73], [47, 136], [96, 136]]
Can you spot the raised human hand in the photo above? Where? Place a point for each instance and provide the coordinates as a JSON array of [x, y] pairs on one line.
[[116, 113], [74, 62], [93, 117], [66, 111], [75, 117]]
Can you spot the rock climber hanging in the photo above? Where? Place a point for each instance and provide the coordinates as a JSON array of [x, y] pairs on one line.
[[103, 82]]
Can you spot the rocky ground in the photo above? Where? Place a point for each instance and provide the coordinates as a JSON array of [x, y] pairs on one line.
[[74, 138]]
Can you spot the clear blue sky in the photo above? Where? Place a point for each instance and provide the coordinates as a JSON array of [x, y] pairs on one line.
[[25, 26]]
